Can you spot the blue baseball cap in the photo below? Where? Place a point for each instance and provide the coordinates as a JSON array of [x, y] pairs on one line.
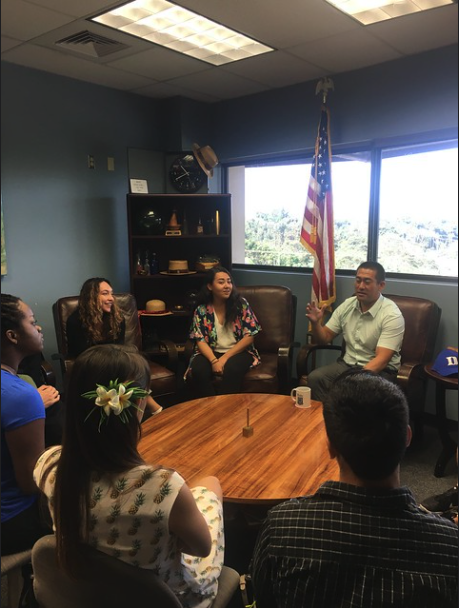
[[446, 362]]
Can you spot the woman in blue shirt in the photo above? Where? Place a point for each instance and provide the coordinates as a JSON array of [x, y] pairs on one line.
[[22, 429]]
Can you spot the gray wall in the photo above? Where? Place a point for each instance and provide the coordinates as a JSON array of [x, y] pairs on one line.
[[398, 98], [64, 222]]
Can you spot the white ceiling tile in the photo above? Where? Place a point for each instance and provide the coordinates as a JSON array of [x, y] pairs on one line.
[[421, 32], [9, 43], [160, 64], [164, 90], [277, 69], [219, 84], [343, 53], [39, 57], [76, 8], [24, 21]]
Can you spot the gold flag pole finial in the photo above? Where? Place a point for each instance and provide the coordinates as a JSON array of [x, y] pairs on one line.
[[324, 86]]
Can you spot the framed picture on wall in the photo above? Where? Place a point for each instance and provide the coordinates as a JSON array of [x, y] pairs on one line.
[[3, 244]]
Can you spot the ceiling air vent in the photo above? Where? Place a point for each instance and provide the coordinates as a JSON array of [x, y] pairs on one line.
[[91, 44]]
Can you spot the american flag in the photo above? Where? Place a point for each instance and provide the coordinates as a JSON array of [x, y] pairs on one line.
[[317, 229]]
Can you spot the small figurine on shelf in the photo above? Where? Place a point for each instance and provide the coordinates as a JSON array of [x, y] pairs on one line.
[[138, 265], [146, 264], [173, 227], [154, 266], [173, 223]]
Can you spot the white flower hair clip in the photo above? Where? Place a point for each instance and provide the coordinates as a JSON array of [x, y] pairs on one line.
[[115, 398]]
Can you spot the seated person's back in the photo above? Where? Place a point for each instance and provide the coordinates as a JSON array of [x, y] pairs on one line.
[[143, 514], [361, 541]]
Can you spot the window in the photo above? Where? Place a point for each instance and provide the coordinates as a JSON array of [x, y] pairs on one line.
[[418, 211], [414, 230]]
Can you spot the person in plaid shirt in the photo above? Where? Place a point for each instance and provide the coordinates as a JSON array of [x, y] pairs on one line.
[[362, 541]]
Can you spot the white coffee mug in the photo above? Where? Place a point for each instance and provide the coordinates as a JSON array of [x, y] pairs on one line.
[[301, 395]]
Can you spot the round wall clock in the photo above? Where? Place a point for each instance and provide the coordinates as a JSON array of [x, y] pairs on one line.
[[186, 175]]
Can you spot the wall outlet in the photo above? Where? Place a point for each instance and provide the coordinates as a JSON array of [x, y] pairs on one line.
[[91, 163], [110, 163]]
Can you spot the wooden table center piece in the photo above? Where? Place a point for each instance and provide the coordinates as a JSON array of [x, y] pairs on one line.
[[286, 456]]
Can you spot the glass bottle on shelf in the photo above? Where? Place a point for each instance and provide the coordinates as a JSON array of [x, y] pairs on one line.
[[146, 264], [154, 266], [138, 264], [200, 227], [184, 224]]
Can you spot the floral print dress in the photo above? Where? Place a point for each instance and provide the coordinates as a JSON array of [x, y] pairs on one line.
[[204, 328], [129, 520]]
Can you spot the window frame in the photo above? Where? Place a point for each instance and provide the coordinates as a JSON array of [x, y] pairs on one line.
[[443, 139]]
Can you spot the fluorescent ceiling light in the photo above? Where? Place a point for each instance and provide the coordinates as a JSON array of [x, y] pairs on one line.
[[372, 11], [179, 29]]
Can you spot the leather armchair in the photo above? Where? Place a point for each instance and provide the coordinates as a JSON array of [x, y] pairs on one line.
[[163, 379], [275, 309], [422, 318]]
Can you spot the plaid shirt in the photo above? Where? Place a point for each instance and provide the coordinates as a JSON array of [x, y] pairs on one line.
[[351, 547]]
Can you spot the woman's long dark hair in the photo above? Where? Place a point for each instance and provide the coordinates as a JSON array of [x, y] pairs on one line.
[[88, 451], [92, 315], [234, 302]]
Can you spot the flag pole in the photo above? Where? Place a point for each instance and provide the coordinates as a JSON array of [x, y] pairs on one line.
[[317, 232]]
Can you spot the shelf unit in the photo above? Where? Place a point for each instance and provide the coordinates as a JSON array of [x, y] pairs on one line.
[[148, 217]]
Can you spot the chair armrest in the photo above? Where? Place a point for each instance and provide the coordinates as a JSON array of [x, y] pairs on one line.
[[47, 370], [284, 368], [172, 354], [188, 350], [408, 373], [305, 361]]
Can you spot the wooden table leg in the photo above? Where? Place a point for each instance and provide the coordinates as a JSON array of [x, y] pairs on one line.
[[449, 446]]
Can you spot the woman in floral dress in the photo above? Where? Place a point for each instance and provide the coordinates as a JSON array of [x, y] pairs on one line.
[[223, 330], [102, 493]]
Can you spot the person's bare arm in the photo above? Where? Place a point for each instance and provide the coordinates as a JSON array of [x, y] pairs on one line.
[[380, 360], [189, 525], [25, 445], [205, 350]]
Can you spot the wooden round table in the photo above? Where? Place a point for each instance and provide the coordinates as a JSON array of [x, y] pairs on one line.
[[285, 457], [442, 384]]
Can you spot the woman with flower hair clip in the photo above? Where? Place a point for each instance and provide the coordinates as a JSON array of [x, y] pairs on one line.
[[98, 320], [102, 493]]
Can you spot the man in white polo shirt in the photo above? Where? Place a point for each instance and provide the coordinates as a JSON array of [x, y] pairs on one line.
[[372, 327]]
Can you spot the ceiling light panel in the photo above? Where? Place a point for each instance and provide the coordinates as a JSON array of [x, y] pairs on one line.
[[177, 28], [373, 11]]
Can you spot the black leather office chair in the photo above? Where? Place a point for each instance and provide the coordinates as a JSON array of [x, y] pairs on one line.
[[108, 581]]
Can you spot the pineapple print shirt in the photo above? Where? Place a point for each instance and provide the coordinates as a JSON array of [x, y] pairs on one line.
[[129, 519]]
